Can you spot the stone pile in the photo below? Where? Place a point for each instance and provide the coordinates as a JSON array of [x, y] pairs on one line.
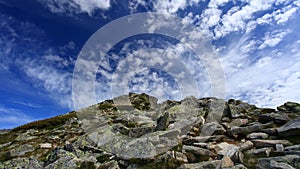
[[192, 133]]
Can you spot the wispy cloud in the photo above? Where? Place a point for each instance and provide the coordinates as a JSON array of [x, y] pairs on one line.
[[27, 104], [76, 6], [11, 117], [47, 69]]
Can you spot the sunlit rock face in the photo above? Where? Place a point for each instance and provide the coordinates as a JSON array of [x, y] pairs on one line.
[[134, 131]]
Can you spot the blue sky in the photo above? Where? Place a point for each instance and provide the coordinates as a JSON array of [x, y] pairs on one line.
[[258, 45]]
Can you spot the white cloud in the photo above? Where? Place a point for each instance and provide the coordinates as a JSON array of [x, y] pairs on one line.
[[271, 39], [236, 20], [173, 6], [271, 79], [285, 14], [76, 6], [11, 117], [280, 16]]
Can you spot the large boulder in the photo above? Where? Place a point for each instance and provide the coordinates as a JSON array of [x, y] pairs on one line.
[[289, 107], [285, 162], [279, 118], [291, 130]]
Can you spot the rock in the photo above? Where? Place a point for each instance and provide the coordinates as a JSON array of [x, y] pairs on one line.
[[270, 143], [199, 139], [270, 131], [185, 125], [278, 165], [209, 129], [239, 166], [197, 150], [121, 128], [140, 101], [291, 160], [28, 163], [217, 108], [202, 165], [5, 145], [279, 148], [253, 136], [279, 118], [292, 128], [191, 102], [248, 129], [289, 107], [180, 157], [246, 146], [225, 149], [238, 108], [21, 150], [64, 161], [140, 131], [261, 152], [162, 122], [25, 137], [227, 162], [292, 148], [46, 145], [238, 122], [110, 165]]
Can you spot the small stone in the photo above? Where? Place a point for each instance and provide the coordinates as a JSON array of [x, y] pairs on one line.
[[226, 149], [246, 146], [253, 136], [180, 157], [227, 162], [197, 150], [46, 145], [238, 122], [279, 148]]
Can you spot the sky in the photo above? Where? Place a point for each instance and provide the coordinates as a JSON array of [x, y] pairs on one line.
[[257, 44]]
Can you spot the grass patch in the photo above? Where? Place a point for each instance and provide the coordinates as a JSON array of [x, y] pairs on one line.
[[49, 124]]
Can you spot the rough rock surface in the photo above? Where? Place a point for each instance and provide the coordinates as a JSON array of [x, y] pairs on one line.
[[135, 132]]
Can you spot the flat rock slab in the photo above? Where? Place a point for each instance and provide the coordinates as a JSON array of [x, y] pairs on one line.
[[253, 136], [291, 160], [270, 143], [292, 128], [202, 165]]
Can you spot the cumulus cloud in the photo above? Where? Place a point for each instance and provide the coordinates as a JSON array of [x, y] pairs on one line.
[[272, 39]]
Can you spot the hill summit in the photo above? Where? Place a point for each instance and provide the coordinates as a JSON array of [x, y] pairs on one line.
[[135, 132]]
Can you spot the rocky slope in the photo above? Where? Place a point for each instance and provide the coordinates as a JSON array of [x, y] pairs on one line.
[[133, 131]]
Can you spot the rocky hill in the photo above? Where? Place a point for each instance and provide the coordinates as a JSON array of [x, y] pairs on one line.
[[134, 131]]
